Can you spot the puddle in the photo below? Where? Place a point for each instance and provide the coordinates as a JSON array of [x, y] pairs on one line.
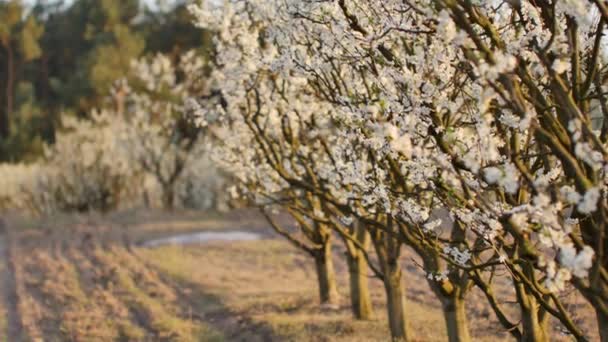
[[202, 237]]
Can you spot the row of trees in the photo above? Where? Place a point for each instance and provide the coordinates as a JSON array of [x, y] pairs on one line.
[[471, 131], [136, 150], [60, 58]]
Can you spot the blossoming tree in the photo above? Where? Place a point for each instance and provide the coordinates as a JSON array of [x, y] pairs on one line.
[[490, 112], [161, 139]]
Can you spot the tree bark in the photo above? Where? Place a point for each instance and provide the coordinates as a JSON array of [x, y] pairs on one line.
[[534, 329], [453, 292], [10, 80], [395, 303], [602, 325], [361, 303], [168, 197], [360, 299], [328, 289], [533, 326], [456, 319], [388, 251]]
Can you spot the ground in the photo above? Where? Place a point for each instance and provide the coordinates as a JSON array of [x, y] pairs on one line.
[[88, 278]]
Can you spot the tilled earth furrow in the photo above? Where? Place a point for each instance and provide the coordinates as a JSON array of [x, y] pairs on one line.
[[92, 278], [154, 310]]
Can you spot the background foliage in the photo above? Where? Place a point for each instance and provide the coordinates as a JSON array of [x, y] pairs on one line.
[[58, 58]]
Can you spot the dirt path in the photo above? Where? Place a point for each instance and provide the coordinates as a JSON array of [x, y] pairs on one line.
[[10, 326]]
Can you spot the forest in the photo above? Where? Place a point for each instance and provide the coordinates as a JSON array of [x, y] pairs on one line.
[[304, 170], [61, 59]]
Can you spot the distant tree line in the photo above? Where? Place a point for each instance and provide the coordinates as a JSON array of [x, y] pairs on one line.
[[62, 59]]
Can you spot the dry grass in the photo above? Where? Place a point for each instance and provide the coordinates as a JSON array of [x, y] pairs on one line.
[[79, 278], [77, 284], [273, 284]]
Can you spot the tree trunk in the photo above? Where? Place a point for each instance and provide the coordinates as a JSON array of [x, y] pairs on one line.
[[596, 294], [168, 197], [395, 298], [361, 303], [360, 299], [328, 289], [388, 250], [456, 319], [602, 324], [534, 330], [10, 80], [533, 327]]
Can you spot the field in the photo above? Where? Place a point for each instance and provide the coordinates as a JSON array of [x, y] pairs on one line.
[[88, 278]]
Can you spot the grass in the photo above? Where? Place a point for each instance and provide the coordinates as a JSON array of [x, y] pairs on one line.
[[76, 280], [75, 285], [145, 295], [81, 317], [274, 284]]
